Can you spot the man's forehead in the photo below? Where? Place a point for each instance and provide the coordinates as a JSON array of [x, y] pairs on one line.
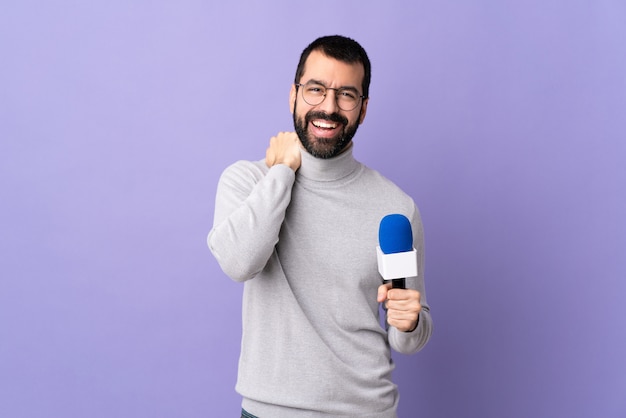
[[319, 66]]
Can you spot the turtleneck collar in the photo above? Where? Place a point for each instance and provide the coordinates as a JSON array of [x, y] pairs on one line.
[[326, 170]]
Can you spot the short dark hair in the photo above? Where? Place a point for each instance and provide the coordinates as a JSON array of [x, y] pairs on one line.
[[342, 49]]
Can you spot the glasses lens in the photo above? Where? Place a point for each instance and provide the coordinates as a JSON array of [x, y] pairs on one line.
[[347, 99], [313, 93]]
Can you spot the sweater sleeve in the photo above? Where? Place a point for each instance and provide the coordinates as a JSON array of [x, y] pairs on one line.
[[250, 207], [411, 342]]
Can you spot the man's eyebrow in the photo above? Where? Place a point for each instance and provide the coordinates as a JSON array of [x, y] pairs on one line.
[[351, 88], [321, 83]]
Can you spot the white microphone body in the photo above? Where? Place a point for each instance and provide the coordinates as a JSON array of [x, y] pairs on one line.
[[397, 265]]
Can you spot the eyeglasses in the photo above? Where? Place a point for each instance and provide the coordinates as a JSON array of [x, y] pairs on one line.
[[347, 98]]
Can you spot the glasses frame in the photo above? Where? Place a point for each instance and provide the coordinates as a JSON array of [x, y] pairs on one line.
[[360, 97]]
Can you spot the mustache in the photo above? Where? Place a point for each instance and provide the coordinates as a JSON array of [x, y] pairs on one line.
[[333, 117]]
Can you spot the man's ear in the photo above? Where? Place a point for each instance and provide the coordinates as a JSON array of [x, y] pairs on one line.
[[292, 98], [363, 110]]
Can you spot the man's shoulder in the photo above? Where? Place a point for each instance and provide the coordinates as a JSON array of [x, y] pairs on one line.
[[245, 168], [254, 165], [386, 189], [376, 176]]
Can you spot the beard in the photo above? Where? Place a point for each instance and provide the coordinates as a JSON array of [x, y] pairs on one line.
[[324, 147]]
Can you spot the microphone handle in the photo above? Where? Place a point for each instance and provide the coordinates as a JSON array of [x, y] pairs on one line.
[[398, 283]]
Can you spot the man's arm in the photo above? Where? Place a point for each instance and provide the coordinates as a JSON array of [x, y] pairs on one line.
[[408, 313], [250, 208], [410, 322]]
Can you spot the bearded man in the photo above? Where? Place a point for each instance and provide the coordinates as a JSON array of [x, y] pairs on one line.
[[299, 229]]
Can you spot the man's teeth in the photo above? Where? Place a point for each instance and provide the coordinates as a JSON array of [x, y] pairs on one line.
[[326, 125]]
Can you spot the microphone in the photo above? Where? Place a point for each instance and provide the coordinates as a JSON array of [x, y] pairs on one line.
[[397, 259]]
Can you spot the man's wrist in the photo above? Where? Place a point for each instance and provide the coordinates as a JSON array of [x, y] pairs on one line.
[[416, 324]]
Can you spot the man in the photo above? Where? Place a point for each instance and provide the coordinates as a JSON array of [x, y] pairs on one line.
[[300, 228]]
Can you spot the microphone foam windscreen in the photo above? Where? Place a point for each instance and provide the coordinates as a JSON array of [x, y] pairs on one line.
[[394, 234]]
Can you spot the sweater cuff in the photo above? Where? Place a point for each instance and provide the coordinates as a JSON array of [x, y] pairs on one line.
[[413, 341]]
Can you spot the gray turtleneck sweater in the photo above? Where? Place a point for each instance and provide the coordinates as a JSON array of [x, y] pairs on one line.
[[305, 243]]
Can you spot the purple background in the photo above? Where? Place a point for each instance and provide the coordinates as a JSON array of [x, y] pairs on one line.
[[504, 120]]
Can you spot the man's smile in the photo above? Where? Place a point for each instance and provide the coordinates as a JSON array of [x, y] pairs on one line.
[[325, 129], [324, 124]]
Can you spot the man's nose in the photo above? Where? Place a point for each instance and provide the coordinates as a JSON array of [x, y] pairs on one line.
[[329, 105]]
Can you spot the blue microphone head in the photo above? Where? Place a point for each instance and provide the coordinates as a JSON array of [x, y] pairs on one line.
[[394, 234]]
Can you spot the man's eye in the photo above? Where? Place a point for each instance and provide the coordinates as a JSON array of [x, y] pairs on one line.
[[315, 90], [346, 94]]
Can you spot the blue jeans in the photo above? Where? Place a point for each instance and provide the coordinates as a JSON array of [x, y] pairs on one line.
[[246, 414]]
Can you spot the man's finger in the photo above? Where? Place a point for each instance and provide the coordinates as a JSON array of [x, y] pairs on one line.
[[383, 289]]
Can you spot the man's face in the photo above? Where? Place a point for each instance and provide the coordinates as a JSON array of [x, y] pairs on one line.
[[325, 130]]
